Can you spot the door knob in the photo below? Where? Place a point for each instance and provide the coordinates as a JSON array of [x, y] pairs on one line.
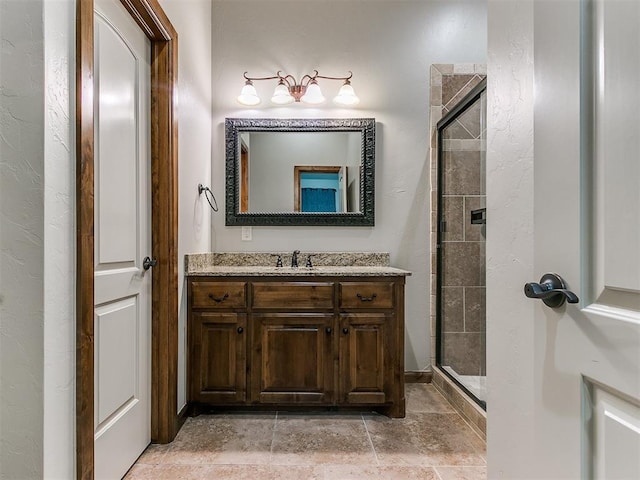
[[147, 263], [551, 290]]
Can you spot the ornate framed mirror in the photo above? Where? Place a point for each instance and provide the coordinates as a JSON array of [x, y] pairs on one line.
[[300, 171]]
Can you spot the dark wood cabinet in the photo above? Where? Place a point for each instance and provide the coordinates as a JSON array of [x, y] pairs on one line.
[[297, 341], [292, 358], [217, 357], [365, 362]]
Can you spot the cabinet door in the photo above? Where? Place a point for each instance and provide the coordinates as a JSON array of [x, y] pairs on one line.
[[366, 369], [217, 346], [292, 361]]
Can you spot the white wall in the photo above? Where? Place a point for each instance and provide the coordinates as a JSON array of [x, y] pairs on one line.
[[388, 45], [191, 19], [59, 253], [510, 115], [22, 178]]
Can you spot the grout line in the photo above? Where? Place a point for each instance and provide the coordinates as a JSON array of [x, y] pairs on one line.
[[464, 218], [435, 469], [464, 309], [375, 454]]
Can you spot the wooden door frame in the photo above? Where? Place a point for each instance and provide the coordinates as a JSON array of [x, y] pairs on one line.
[[299, 170], [164, 225]]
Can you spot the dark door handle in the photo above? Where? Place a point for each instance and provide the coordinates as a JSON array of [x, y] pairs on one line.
[[240, 329], [147, 263], [551, 290], [345, 330], [328, 330]]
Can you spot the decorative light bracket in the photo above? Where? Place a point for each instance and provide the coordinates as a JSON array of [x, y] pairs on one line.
[[307, 90]]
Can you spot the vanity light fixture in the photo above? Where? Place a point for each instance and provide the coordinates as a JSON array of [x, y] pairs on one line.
[[307, 90]]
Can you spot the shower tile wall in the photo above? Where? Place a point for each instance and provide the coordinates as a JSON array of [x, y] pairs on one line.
[[463, 247], [463, 268]]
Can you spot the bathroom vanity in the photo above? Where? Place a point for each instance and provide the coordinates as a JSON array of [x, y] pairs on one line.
[[326, 336]]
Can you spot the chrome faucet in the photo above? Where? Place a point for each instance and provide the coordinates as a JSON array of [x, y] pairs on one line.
[[294, 259]]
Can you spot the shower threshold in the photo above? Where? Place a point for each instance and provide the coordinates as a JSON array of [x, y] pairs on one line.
[[475, 384]]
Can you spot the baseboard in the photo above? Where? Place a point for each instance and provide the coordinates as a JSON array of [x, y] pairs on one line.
[[182, 416], [418, 377]]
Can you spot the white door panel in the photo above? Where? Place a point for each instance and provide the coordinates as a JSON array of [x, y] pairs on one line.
[[613, 430], [122, 349], [120, 283], [618, 135], [117, 178], [116, 340]]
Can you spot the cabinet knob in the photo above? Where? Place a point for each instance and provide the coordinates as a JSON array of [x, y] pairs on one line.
[[240, 329], [345, 330], [328, 330]]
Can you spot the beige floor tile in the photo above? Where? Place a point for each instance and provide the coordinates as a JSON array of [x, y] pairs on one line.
[[432, 440], [423, 397], [321, 439], [154, 454], [224, 472], [462, 473], [295, 472], [223, 439], [363, 472], [168, 472], [424, 439]]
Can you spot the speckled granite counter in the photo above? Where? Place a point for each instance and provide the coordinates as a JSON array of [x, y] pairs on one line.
[[327, 264]]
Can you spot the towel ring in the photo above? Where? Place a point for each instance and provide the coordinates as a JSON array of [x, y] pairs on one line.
[[208, 193]]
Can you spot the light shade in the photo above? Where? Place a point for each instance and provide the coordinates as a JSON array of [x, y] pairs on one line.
[[313, 94], [281, 95], [248, 96], [346, 96]]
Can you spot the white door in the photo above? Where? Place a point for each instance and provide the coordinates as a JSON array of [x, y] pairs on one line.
[[122, 239], [577, 414]]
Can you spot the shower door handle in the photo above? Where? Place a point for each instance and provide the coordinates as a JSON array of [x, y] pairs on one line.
[[551, 290]]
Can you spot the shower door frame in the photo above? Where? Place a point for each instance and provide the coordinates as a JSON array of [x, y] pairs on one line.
[[466, 102]]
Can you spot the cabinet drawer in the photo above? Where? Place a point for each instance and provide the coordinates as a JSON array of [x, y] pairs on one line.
[[366, 295], [218, 294], [294, 295]]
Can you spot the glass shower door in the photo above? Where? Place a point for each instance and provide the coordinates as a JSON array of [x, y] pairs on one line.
[[461, 326]]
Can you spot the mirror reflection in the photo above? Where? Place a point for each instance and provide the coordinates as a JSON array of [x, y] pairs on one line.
[[300, 171]]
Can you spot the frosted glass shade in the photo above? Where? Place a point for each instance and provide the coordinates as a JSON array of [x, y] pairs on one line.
[[313, 95], [346, 96], [281, 95], [248, 96]]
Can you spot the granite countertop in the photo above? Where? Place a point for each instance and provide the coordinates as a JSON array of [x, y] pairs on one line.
[[327, 264]]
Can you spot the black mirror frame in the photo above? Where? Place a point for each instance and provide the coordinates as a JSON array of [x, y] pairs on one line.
[[364, 218]]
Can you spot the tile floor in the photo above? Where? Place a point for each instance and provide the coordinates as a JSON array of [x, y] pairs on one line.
[[432, 442]]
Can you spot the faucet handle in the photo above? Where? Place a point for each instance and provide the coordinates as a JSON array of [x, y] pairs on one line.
[[278, 260], [309, 264], [294, 259]]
